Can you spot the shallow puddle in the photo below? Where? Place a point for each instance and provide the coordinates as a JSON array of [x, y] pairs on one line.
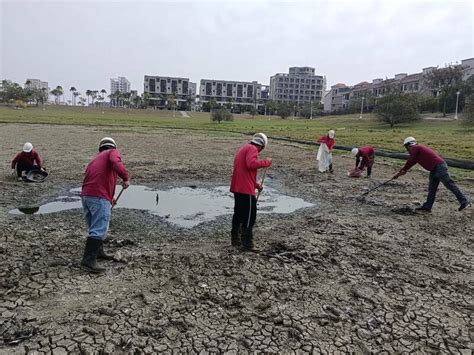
[[183, 206]]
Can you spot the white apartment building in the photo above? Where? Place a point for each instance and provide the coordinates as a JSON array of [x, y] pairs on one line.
[[233, 92], [120, 84], [159, 87], [36, 84], [299, 86]]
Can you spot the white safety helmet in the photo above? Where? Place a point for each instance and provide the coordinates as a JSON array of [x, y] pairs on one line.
[[260, 139], [409, 141], [27, 147], [107, 142], [331, 133], [354, 151]]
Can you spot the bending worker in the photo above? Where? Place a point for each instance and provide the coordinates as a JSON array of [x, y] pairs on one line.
[[26, 160], [365, 157], [98, 190], [435, 164]]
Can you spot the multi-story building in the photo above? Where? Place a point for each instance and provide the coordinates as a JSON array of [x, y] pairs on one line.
[[299, 86], [240, 93], [338, 98], [161, 88], [36, 84], [120, 84]]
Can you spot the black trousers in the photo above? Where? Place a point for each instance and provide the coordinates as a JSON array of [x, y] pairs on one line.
[[245, 213], [20, 167]]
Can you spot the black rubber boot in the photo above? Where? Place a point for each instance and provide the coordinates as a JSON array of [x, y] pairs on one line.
[[247, 240], [330, 169], [101, 254], [89, 260], [235, 236]]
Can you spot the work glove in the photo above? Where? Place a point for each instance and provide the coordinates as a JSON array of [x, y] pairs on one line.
[[259, 187]]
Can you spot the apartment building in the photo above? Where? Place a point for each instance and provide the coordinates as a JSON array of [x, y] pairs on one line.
[[36, 84], [242, 93], [120, 84], [159, 88], [300, 85], [337, 99]]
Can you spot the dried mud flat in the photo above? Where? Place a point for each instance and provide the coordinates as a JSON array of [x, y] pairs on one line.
[[345, 276]]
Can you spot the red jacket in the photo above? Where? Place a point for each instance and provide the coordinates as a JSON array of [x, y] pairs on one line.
[[28, 159], [330, 142], [101, 175], [244, 176], [366, 153], [423, 155]]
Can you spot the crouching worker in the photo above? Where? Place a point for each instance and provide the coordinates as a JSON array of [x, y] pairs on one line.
[[365, 157], [435, 164], [98, 190], [243, 185], [26, 160]]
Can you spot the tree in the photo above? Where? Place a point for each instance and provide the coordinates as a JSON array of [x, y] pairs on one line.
[[170, 102], [82, 101], [146, 96], [468, 112], [221, 115], [252, 110], [57, 92], [137, 101], [396, 108], [103, 92], [88, 94], [212, 104], [60, 91], [284, 109], [445, 82], [271, 107], [75, 94], [73, 90]]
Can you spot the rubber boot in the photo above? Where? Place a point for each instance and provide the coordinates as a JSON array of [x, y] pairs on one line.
[[235, 237], [247, 240], [89, 260], [330, 169], [101, 254]]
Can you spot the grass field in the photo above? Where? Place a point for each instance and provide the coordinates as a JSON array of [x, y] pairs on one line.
[[452, 139]]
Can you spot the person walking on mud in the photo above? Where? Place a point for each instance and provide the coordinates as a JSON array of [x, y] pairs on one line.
[[243, 185], [26, 160], [98, 190], [435, 164], [365, 157], [324, 156]]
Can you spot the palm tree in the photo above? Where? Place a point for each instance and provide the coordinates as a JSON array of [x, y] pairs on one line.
[[60, 91], [88, 94], [73, 96], [103, 92], [94, 95]]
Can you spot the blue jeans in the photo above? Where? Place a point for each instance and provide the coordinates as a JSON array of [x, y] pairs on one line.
[[437, 175], [97, 214]]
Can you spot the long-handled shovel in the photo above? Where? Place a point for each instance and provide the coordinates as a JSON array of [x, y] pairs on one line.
[[261, 184], [116, 200], [376, 187]]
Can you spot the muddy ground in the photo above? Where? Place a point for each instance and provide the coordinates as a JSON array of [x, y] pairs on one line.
[[348, 275]]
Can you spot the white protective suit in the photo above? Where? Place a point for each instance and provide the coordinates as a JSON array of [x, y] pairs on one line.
[[324, 157]]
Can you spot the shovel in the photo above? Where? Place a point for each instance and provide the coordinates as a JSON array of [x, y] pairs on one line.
[[116, 200], [376, 187], [261, 184]]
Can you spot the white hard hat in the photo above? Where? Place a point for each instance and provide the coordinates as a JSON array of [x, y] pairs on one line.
[[27, 147], [107, 142], [331, 133], [409, 141], [354, 151], [260, 139]]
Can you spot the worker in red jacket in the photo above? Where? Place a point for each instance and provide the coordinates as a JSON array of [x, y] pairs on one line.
[[324, 156], [365, 157], [98, 190], [25, 161], [243, 185], [438, 169]]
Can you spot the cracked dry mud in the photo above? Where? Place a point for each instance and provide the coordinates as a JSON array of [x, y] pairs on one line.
[[348, 276]]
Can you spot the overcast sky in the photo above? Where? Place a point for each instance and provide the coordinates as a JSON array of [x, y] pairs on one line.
[[85, 43]]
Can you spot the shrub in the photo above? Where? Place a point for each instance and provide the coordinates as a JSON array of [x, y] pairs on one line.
[[221, 115], [396, 108], [468, 111]]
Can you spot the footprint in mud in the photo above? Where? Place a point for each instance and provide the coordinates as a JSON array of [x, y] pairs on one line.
[[405, 210]]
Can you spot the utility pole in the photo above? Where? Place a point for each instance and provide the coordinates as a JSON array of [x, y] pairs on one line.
[[361, 107]]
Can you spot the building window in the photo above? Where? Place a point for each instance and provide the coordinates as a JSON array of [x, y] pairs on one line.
[[229, 89], [152, 85], [185, 87], [219, 89], [208, 89], [250, 91]]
